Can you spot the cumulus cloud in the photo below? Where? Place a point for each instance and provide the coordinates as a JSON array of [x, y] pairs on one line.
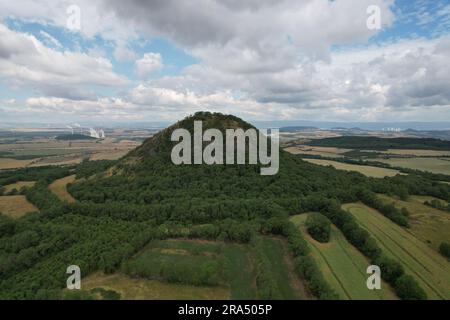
[[266, 59], [25, 61], [148, 64]]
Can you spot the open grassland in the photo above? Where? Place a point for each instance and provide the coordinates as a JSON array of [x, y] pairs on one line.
[[143, 289], [59, 188], [430, 269], [7, 163], [318, 151], [16, 206], [342, 265], [19, 185], [282, 267], [365, 170], [417, 152], [196, 263], [430, 225], [434, 165]]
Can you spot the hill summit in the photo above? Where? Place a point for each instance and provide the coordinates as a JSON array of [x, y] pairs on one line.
[[161, 142]]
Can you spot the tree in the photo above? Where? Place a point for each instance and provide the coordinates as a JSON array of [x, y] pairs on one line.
[[318, 227]]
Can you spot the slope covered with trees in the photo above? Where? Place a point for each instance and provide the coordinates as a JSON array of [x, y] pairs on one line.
[[121, 206]]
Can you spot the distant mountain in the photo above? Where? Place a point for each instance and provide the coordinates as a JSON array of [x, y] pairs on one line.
[[297, 129]]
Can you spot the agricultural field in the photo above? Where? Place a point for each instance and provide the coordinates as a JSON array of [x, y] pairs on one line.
[[368, 171], [19, 185], [48, 151], [428, 224], [329, 152], [429, 268], [16, 206], [434, 165], [7, 163], [417, 152], [59, 188], [342, 265]]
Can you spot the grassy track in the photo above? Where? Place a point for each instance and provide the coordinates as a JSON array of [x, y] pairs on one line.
[[343, 266], [430, 269], [58, 187]]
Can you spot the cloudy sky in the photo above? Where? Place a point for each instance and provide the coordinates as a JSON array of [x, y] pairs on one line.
[[160, 60]]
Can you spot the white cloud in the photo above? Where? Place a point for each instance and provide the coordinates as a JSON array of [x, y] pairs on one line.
[[258, 58], [148, 64], [25, 61]]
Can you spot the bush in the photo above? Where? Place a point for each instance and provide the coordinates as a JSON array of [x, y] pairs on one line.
[[408, 289], [391, 270], [318, 227], [444, 249]]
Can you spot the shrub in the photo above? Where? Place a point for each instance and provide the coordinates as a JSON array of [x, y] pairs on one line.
[[318, 227], [391, 270], [408, 289]]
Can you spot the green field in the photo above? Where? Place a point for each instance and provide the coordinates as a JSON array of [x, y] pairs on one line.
[[430, 269], [434, 165], [197, 264], [428, 224], [368, 171], [282, 269], [343, 266]]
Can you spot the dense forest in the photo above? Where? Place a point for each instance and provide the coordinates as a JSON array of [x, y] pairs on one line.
[[122, 206], [376, 143]]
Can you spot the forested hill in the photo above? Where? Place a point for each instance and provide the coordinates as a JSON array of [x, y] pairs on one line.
[[161, 143], [147, 176], [376, 143]]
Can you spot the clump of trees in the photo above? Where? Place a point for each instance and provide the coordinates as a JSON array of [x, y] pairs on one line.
[[319, 227]]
